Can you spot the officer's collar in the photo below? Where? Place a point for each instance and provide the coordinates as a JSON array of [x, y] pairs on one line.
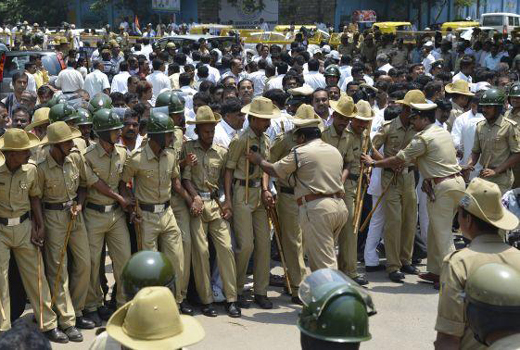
[[498, 121], [52, 162], [334, 132], [149, 152], [486, 238], [198, 145]]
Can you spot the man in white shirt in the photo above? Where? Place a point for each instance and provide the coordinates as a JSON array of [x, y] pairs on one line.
[[467, 65], [158, 79], [69, 79], [382, 62], [213, 73], [120, 80], [428, 57], [232, 122], [30, 69], [259, 79], [277, 81], [96, 81], [263, 25], [236, 71], [314, 78], [264, 54]]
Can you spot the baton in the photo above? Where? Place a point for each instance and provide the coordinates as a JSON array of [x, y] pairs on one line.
[[276, 225]]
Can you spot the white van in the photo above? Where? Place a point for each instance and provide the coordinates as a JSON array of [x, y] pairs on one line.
[[500, 21]]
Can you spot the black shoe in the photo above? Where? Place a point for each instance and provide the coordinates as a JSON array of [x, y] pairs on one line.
[[233, 310], [104, 312], [416, 261], [242, 302], [74, 334], [276, 280], [396, 276], [296, 300], [94, 317], [409, 269], [209, 311], [57, 336], [361, 280], [186, 308], [374, 268], [83, 323], [263, 301]]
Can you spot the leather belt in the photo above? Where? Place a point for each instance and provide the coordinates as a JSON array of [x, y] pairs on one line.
[[14, 221], [102, 208], [208, 196], [287, 190], [314, 196], [155, 208], [353, 177], [57, 206], [438, 180], [252, 183]]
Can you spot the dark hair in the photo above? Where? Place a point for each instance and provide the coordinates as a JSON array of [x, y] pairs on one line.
[[345, 60], [432, 88], [262, 63], [23, 109], [466, 61], [44, 90], [392, 112], [282, 67], [157, 63], [117, 96], [184, 79], [196, 56], [244, 80], [203, 97], [141, 109], [203, 71], [430, 115], [19, 75], [142, 87], [278, 97], [205, 86], [482, 226], [270, 70], [129, 96], [180, 59], [23, 335], [227, 89], [310, 133], [132, 113], [205, 59], [230, 105], [123, 66]]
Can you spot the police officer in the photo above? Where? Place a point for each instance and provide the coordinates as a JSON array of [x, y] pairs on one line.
[[460, 97], [61, 177], [480, 215], [65, 113], [493, 301], [332, 75], [98, 102], [39, 122], [202, 181], [153, 170], [84, 124], [497, 142], [247, 193], [19, 192], [104, 217]]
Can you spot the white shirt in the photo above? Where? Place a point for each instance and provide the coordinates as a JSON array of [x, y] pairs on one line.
[[386, 67], [259, 80], [95, 82], [120, 82], [315, 80], [427, 62], [239, 77], [345, 73], [188, 93], [138, 142], [31, 83], [213, 74], [276, 125], [224, 133], [463, 134], [276, 82], [461, 76], [264, 26], [159, 81], [83, 71], [69, 80]]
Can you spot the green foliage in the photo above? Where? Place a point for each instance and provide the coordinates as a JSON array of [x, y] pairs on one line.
[[463, 3], [51, 11]]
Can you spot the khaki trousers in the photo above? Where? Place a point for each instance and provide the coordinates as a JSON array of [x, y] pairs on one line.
[[161, 233], [347, 240], [110, 227], [252, 233], [17, 239], [504, 180], [321, 221], [182, 217], [218, 230], [400, 207], [72, 292], [441, 213], [291, 239]]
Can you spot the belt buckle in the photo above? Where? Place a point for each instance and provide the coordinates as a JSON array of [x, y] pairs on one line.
[[67, 205], [13, 221], [405, 170], [108, 208], [206, 196], [256, 183], [158, 208]]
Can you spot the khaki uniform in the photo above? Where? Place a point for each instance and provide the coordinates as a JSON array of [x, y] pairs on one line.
[[455, 112], [15, 190], [316, 168], [287, 210], [152, 178], [516, 169], [59, 185], [210, 167], [250, 221], [456, 269], [400, 204], [495, 143], [108, 225], [435, 155], [40, 153]]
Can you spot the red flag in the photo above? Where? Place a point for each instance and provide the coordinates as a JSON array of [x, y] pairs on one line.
[[136, 23]]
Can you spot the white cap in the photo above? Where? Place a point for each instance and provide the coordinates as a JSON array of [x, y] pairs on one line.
[[325, 49], [334, 54]]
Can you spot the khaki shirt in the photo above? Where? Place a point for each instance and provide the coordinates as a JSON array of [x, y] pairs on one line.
[[352, 157], [496, 142], [237, 154], [281, 147], [16, 188], [210, 166], [394, 136], [433, 151], [39, 153], [341, 142], [315, 167], [178, 141], [152, 176], [107, 167], [59, 184], [456, 269]]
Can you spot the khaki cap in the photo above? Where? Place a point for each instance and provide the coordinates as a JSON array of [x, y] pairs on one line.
[[412, 96], [261, 107], [344, 106], [483, 199], [305, 90], [364, 111], [460, 87], [40, 117], [152, 321], [305, 116], [59, 132], [18, 140], [205, 116], [171, 45]]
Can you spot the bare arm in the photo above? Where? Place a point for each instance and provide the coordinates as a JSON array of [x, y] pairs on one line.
[[103, 188], [37, 230], [228, 180], [177, 187]]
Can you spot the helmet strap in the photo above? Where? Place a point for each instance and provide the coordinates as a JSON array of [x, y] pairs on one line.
[[159, 139]]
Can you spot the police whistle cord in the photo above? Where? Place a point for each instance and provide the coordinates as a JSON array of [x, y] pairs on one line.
[[276, 225], [63, 251], [40, 293], [379, 200]]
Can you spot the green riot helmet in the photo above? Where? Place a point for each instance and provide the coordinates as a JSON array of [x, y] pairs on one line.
[[147, 269], [84, 117], [493, 97], [514, 91], [99, 101], [493, 300], [62, 112], [55, 99], [172, 100], [106, 120], [159, 122], [332, 71], [336, 309]]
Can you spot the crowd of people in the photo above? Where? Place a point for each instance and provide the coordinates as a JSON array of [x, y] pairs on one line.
[[349, 153]]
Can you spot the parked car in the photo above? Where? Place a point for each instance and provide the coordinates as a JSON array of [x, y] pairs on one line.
[[502, 22], [181, 40]]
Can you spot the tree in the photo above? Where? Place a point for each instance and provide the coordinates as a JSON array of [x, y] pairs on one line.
[[32, 11]]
